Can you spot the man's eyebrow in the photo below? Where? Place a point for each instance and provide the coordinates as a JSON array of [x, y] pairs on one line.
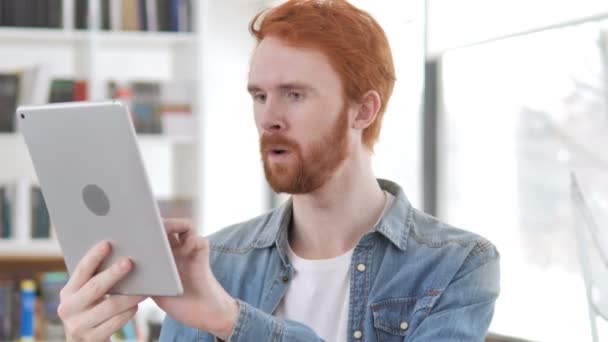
[[251, 88], [294, 85]]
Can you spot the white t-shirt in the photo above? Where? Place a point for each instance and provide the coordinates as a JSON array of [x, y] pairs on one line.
[[319, 291]]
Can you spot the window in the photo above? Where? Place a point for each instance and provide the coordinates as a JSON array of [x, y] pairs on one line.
[[518, 115]]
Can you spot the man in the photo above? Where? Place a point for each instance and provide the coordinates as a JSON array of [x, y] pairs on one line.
[[347, 257]]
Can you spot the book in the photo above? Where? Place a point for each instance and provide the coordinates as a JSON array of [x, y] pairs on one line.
[[151, 15], [115, 15], [139, 15], [7, 201], [9, 87], [8, 13], [105, 14], [183, 16], [145, 106], [31, 13], [62, 90], [143, 15], [20, 11], [174, 15], [163, 11], [6, 309], [28, 307], [2, 190], [41, 224], [41, 13], [81, 14], [80, 90], [55, 13], [157, 107], [130, 15], [50, 287]]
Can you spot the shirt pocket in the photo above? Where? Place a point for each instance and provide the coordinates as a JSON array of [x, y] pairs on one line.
[[394, 318]]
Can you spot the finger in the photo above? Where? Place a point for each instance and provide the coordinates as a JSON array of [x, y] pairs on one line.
[[177, 226], [86, 267], [108, 308], [109, 327], [194, 244], [97, 287], [173, 240]]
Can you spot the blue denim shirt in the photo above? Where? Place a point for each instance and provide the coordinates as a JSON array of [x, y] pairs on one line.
[[423, 280]]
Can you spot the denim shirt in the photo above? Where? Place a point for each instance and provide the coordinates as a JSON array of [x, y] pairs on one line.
[[422, 281]]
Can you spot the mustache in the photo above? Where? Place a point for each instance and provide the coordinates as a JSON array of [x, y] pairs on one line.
[[268, 142]]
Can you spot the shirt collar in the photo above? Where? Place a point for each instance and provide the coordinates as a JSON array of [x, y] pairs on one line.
[[394, 226]]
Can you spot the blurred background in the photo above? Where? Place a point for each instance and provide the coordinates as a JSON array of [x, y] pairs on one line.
[[496, 102]]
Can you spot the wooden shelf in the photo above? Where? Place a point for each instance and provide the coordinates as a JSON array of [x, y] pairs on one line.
[[32, 256], [11, 250], [50, 35], [147, 38], [31, 264], [37, 35]]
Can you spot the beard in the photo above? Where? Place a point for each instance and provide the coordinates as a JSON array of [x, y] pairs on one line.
[[300, 172]]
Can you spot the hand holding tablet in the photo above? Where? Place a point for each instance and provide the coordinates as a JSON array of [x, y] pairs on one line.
[[109, 228], [96, 189]]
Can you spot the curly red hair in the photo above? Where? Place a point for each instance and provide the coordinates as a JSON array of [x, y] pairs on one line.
[[351, 38]]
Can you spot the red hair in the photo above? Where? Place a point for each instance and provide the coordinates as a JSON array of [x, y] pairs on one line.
[[353, 41]]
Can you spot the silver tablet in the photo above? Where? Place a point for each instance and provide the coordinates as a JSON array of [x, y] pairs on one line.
[[95, 186]]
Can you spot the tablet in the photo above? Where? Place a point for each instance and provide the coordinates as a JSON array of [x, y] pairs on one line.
[[93, 181]]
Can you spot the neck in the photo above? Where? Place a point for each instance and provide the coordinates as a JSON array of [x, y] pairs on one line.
[[330, 221]]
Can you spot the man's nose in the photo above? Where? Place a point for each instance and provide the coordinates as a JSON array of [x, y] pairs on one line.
[[273, 120]]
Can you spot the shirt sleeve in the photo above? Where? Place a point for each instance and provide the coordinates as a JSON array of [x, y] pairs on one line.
[[256, 325], [465, 309]]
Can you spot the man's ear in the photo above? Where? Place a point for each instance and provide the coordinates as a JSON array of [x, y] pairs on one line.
[[367, 110]]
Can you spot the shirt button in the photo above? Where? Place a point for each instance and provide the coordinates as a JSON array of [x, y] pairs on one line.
[[285, 279], [404, 325], [361, 268], [358, 334]]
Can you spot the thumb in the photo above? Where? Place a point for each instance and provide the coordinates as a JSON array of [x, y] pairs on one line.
[[177, 225]]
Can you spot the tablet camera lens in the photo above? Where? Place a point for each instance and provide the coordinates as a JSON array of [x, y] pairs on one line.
[[22, 116]]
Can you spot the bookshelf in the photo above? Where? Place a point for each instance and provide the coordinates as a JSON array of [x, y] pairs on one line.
[[97, 57], [14, 251], [212, 60], [50, 35]]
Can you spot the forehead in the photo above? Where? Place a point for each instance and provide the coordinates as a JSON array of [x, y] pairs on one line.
[[274, 63]]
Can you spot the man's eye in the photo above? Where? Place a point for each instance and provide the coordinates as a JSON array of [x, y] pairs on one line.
[[294, 95], [259, 97]]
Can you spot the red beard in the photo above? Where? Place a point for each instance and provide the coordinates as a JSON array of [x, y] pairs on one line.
[[299, 173]]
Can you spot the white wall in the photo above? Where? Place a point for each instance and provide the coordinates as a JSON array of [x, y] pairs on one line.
[[232, 181], [398, 153]]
